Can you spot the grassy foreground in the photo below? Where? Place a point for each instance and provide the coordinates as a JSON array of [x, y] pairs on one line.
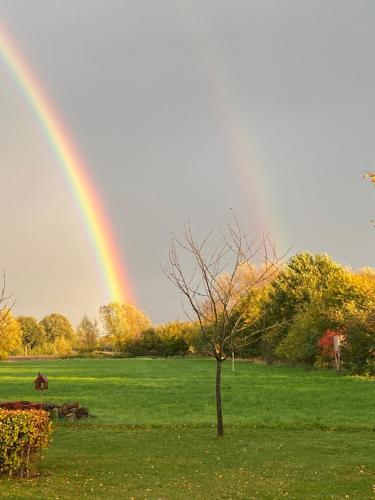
[[289, 432]]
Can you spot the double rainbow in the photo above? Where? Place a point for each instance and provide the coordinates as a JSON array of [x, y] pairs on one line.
[[76, 171]]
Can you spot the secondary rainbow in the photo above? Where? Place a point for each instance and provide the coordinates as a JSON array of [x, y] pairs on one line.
[[247, 164], [76, 171]]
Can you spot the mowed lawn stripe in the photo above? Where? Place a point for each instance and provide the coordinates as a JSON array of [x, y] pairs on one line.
[[144, 391], [289, 432], [171, 463]]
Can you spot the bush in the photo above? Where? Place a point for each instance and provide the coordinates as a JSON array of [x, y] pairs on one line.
[[165, 340], [358, 351], [301, 342], [146, 344], [22, 433]]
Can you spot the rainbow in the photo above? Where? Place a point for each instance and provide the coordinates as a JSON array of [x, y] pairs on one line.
[[77, 173], [247, 163]]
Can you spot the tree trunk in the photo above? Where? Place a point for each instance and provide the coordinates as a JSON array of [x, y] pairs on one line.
[[219, 411]]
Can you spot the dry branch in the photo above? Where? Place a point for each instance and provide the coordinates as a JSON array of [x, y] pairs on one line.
[[216, 286]]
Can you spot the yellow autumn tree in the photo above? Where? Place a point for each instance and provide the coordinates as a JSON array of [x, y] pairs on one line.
[[122, 322], [62, 346], [10, 334]]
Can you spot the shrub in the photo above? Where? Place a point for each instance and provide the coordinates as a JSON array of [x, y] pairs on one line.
[[358, 351], [301, 342], [148, 343], [63, 346], [173, 339], [22, 433], [164, 340], [326, 343]]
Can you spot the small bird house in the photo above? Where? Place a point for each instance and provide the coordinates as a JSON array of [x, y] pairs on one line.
[[41, 382]]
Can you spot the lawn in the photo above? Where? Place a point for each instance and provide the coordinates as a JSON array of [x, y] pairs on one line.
[[289, 432]]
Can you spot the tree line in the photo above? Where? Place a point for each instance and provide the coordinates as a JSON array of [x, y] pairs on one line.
[[125, 330], [280, 318]]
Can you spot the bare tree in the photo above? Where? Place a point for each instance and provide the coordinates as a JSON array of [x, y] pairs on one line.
[[213, 283], [4, 306]]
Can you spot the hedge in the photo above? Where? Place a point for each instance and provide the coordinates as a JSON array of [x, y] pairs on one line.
[[22, 434]]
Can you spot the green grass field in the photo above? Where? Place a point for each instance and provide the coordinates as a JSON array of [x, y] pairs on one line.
[[289, 433]]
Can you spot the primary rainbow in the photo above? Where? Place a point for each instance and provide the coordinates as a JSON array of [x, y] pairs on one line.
[[77, 173]]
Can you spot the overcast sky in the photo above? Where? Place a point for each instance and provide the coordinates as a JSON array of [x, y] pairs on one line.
[[184, 110]]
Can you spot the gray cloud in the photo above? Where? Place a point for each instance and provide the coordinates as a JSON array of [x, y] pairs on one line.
[[156, 95]]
